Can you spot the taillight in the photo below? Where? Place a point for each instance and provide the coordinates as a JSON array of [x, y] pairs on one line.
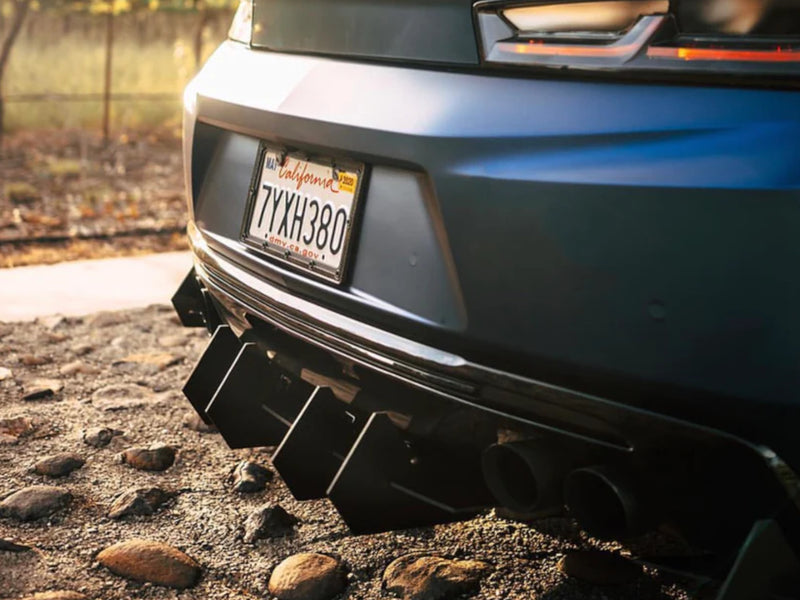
[[758, 37]]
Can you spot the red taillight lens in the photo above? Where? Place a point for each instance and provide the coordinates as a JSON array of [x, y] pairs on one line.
[[759, 37]]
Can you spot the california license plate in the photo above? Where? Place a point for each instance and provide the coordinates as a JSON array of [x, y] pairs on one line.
[[301, 210]]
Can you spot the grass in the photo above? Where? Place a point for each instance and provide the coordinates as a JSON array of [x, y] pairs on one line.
[[21, 192], [152, 57]]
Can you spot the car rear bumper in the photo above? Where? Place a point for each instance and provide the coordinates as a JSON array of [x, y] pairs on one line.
[[453, 408], [629, 242]]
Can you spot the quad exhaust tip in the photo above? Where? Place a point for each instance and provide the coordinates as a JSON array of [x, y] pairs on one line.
[[607, 502], [526, 476]]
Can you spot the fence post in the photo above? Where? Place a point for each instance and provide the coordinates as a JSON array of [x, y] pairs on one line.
[[107, 81]]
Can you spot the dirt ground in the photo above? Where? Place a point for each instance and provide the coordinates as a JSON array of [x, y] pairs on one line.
[[66, 195], [204, 518]]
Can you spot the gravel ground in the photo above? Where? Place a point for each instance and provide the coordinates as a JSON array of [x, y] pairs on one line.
[[205, 516]]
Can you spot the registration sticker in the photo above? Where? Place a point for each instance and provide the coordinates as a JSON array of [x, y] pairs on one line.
[[301, 210]]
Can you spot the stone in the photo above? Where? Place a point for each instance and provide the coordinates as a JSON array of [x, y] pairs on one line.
[[156, 457], [137, 501], [308, 576], [5, 373], [193, 421], [177, 340], [122, 396], [57, 595], [59, 465], [268, 521], [151, 562], [249, 477], [83, 349], [35, 502], [78, 367], [9, 546], [599, 567], [416, 577], [40, 389], [52, 322], [32, 360], [158, 360], [18, 427], [99, 437], [106, 319]]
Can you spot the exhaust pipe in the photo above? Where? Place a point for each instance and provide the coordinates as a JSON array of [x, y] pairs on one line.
[[527, 476], [607, 502]]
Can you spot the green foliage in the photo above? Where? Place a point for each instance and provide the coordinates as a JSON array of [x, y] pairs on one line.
[[21, 192]]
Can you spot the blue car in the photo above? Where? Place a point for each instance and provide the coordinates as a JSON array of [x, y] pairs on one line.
[[534, 254]]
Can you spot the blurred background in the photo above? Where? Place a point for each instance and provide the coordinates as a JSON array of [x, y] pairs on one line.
[[90, 111]]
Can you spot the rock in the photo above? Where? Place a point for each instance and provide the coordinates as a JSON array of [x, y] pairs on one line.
[[78, 367], [157, 457], [308, 576], [99, 437], [159, 360], [57, 595], [177, 340], [599, 567], [83, 349], [9, 546], [52, 322], [35, 502], [137, 501], [106, 319], [193, 421], [249, 477], [59, 465], [39, 389], [269, 521], [32, 360], [18, 426], [417, 577], [121, 397], [5, 373], [149, 561]]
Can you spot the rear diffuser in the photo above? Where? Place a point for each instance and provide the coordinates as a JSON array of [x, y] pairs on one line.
[[211, 369], [189, 302], [256, 402], [315, 447], [385, 483]]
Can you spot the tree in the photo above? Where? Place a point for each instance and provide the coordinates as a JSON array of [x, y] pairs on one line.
[[19, 10]]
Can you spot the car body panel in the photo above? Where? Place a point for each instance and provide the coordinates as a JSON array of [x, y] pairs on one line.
[[636, 241], [417, 30]]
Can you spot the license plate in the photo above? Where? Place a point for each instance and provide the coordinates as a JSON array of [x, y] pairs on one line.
[[301, 210]]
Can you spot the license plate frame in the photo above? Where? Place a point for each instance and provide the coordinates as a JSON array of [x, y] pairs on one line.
[[293, 256]]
